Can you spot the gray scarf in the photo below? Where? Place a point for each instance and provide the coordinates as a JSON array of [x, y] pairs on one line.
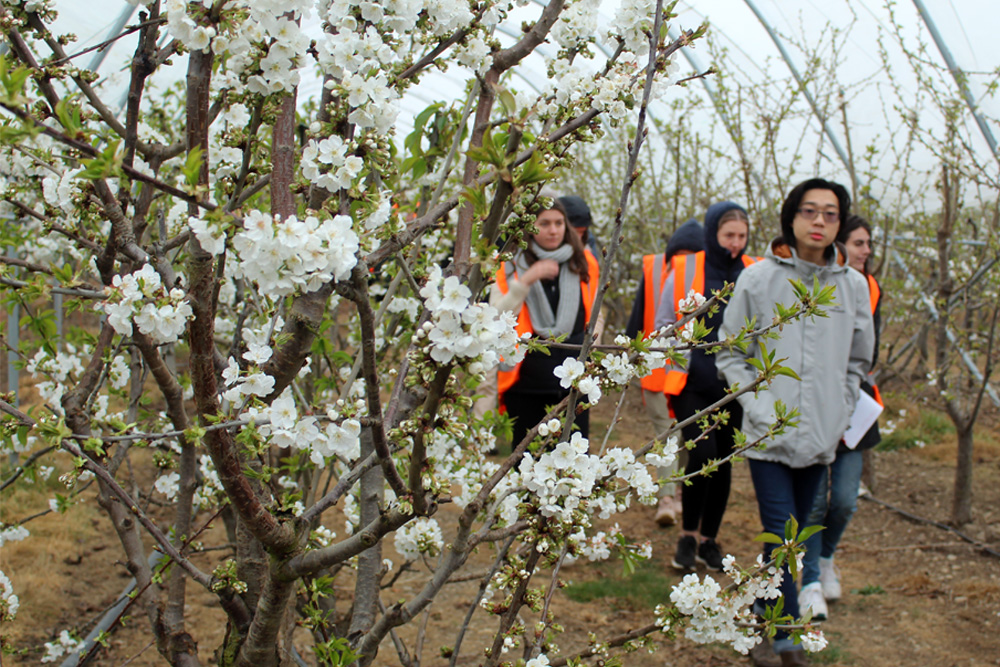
[[546, 323]]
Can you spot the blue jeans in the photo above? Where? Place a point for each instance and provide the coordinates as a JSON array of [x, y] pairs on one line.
[[783, 492], [836, 500]]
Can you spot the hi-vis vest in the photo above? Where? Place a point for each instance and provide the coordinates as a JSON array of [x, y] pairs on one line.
[[874, 293], [654, 271], [588, 290], [689, 274]]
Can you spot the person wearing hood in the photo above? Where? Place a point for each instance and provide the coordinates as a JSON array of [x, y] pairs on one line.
[[697, 386], [688, 239], [831, 356]]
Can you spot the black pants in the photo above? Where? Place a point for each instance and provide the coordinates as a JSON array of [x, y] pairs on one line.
[[528, 409], [704, 501]]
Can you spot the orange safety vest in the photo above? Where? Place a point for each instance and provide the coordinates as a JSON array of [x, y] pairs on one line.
[[588, 290], [654, 270], [874, 293], [692, 268]]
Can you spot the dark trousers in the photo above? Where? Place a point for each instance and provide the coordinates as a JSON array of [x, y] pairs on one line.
[[528, 409], [783, 492], [705, 499]]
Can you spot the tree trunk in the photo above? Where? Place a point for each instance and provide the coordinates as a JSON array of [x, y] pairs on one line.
[[961, 509]]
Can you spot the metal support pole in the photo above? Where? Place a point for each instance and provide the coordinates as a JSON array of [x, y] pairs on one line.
[[959, 76], [116, 28], [13, 341], [111, 616], [802, 84], [57, 306]]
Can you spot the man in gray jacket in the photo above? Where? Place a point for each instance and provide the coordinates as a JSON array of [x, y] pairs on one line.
[[831, 355]]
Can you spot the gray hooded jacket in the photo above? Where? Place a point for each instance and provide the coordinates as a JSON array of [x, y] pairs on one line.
[[831, 355]]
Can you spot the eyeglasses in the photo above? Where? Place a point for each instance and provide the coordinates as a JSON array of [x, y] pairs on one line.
[[810, 213]]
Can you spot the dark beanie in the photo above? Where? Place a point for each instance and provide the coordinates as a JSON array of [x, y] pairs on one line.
[[689, 236], [577, 211]]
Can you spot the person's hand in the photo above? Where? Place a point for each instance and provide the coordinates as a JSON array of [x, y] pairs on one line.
[[543, 269]]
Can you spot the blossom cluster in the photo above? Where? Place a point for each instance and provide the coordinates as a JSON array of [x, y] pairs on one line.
[[142, 299], [457, 329], [263, 41], [59, 190], [632, 23], [184, 28], [9, 603], [718, 614], [58, 370], [288, 429], [615, 369], [326, 164], [287, 256], [420, 536], [567, 478], [573, 86], [168, 485], [461, 464], [577, 24], [254, 382], [689, 304], [210, 493], [13, 534], [602, 545], [65, 644], [713, 615]]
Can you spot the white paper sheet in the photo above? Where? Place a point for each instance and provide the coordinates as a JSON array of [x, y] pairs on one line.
[[865, 413]]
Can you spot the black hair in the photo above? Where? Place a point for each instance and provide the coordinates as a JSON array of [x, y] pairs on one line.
[[791, 206]]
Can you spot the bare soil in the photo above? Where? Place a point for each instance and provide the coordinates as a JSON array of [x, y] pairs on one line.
[[914, 593]]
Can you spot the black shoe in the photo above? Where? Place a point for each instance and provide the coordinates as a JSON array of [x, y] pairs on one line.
[[709, 555], [685, 556]]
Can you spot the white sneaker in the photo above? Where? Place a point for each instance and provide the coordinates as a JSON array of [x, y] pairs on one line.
[[811, 601], [830, 579]]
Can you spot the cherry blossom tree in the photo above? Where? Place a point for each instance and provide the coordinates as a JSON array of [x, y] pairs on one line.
[[281, 298]]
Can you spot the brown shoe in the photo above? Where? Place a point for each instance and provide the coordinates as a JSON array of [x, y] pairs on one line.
[[666, 512], [794, 658], [763, 655]]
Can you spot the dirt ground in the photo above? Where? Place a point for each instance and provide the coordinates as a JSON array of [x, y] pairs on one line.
[[914, 594]]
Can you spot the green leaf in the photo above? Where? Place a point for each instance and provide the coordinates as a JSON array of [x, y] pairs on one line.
[[791, 528], [532, 171], [13, 82], [95, 445], [476, 195], [69, 116], [419, 167], [507, 101], [491, 152], [106, 164], [808, 532], [192, 165], [768, 538], [786, 371]]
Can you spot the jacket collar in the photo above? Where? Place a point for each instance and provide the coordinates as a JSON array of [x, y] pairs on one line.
[[783, 253]]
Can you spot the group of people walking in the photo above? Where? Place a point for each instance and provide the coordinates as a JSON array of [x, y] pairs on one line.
[[804, 472]]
